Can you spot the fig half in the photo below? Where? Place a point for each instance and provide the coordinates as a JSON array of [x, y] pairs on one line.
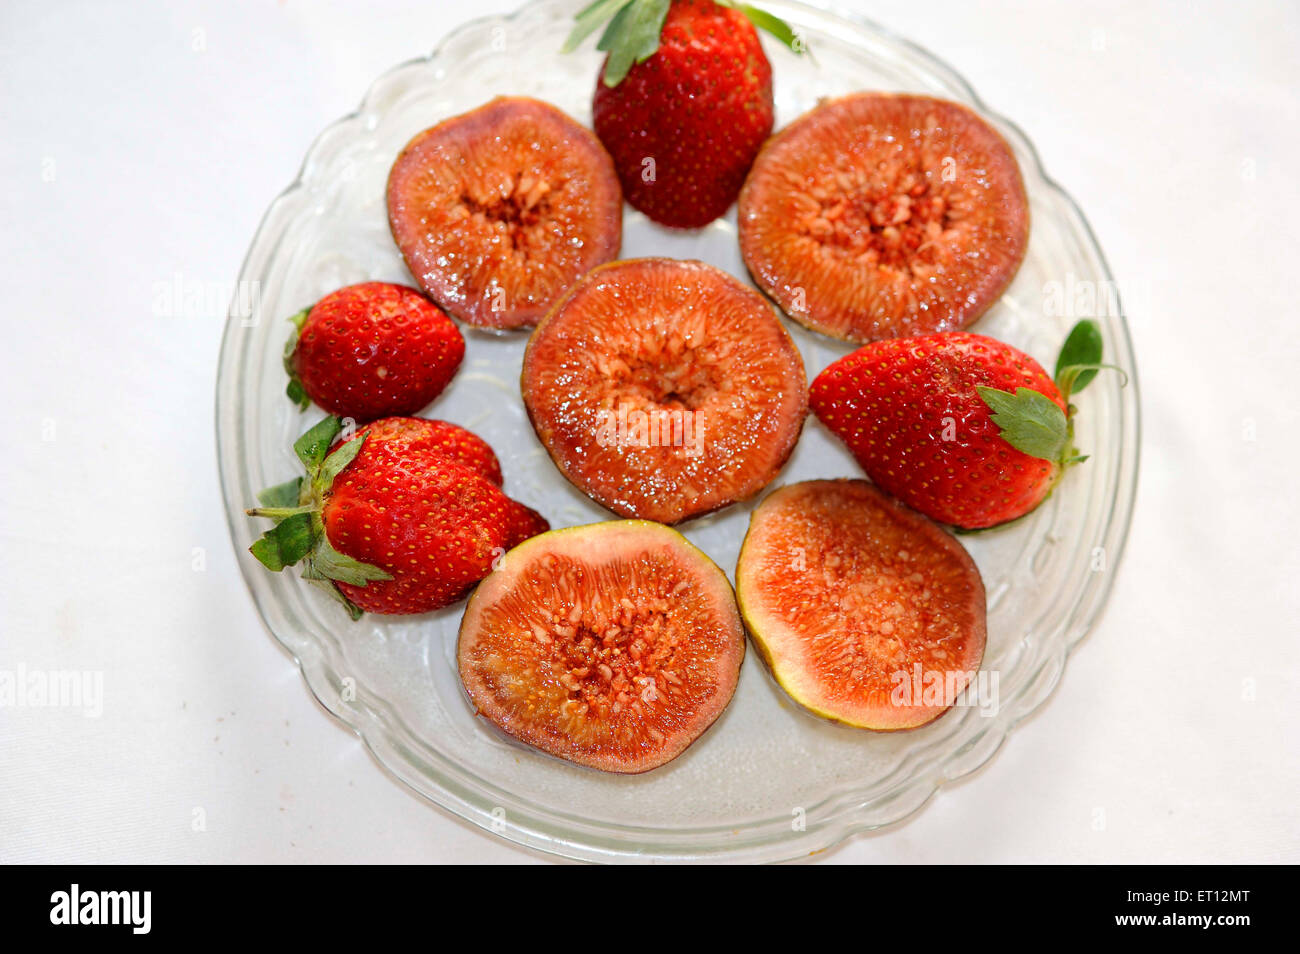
[[664, 389], [497, 211], [613, 645], [865, 611], [880, 215]]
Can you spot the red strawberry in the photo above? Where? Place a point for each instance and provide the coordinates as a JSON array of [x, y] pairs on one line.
[[963, 428], [417, 435], [523, 522], [434, 526], [684, 103], [407, 436], [371, 350], [382, 531]]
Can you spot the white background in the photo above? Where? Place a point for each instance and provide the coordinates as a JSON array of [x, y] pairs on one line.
[[143, 141]]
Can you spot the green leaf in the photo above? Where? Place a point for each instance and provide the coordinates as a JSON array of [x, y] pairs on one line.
[[286, 543], [632, 37], [589, 18], [1030, 422], [312, 447], [333, 565], [336, 461], [296, 392], [330, 587], [287, 494], [773, 25], [1082, 346]]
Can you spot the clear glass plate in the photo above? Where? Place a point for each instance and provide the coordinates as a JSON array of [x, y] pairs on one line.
[[767, 782]]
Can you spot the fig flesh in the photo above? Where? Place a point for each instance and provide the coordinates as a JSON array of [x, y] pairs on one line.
[[865, 611], [882, 215], [497, 211], [664, 389], [613, 645]]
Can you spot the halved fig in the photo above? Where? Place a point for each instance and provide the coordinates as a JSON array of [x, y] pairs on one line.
[[613, 645], [880, 215], [866, 612], [664, 389], [498, 210]]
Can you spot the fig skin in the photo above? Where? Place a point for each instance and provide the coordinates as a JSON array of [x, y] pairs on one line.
[[500, 669], [659, 483], [498, 210], [882, 215], [779, 644]]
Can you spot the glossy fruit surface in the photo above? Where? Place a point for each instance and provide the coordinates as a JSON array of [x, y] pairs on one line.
[[372, 350], [405, 436], [914, 415], [883, 215], [389, 520], [499, 210], [664, 389], [683, 126]]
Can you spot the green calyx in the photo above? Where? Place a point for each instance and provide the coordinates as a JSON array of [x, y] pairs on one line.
[[1033, 423], [299, 532], [296, 392], [632, 32]]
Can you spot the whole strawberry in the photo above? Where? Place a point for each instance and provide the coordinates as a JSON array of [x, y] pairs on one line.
[[371, 350], [684, 101], [963, 428], [386, 531]]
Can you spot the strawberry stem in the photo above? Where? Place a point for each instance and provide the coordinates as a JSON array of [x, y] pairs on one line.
[[279, 513]]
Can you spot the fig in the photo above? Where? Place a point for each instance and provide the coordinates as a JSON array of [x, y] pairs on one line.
[[613, 645], [880, 215], [498, 210], [664, 389], [866, 612]]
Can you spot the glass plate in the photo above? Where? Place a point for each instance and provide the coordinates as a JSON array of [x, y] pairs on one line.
[[768, 781]]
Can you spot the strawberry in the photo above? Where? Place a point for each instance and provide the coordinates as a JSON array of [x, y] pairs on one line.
[[684, 102], [967, 430], [385, 529], [371, 350], [521, 523], [417, 435], [406, 436]]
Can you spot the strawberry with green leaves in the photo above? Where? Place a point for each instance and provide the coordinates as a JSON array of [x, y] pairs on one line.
[[684, 100], [386, 528], [371, 350], [961, 427]]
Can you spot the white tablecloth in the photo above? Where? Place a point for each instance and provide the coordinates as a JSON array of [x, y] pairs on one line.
[[142, 143]]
